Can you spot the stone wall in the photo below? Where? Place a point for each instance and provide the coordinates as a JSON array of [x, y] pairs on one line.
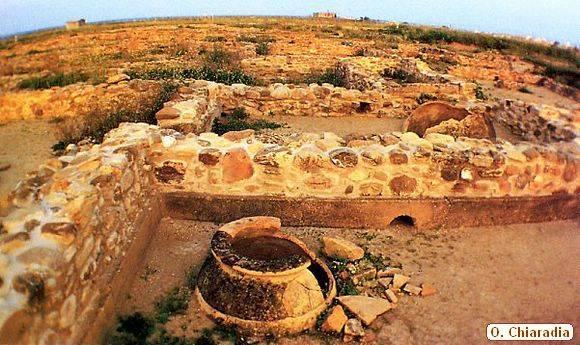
[[65, 234], [397, 165], [192, 109], [78, 99], [538, 123], [202, 101], [69, 227]]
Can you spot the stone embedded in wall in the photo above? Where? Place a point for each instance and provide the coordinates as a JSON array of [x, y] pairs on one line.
[[12, 242], [170, 172], [209, 156], [309, 158], [167, 113], [533, 122], [267, 156], [403, 185], [343, 158], [398, 157], [373, 155], [371, 189], [238, 135], [236, 166], [60, 232], [318, 181]]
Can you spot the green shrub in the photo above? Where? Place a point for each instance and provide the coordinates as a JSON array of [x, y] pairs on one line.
[[223, 76], [239, 120], [565, 75], [399, 75], [220, 58], [479, 94], [132, 329], [484, 41], [262, 48], [191, 278], [255, 39], [330, 76], [426, 97], [46, 82], [175, 302]]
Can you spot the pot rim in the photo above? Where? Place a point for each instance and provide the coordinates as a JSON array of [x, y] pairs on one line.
[[265, 227]]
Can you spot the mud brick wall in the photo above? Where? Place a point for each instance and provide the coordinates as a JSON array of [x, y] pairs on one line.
[[65, 235], [538, 123]]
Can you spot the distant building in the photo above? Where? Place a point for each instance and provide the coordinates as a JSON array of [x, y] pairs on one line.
[[75, 24], [324, 15]]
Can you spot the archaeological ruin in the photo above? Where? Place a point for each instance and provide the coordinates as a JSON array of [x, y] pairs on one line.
[[75, 234]]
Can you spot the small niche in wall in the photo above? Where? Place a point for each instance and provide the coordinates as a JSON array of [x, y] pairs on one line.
[[364, 107]]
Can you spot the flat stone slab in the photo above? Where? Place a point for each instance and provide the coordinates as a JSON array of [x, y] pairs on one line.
[[366, 309]]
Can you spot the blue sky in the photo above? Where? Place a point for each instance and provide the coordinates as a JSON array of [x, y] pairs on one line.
[[551, 19]]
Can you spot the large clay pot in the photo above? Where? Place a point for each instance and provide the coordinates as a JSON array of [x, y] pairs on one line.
[[260, 280]]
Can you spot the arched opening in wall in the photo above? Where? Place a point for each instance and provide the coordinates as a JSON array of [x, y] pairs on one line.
[[403, 221], [364, 107]]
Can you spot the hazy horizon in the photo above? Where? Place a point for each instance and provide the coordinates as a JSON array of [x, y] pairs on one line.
[[552, 20]]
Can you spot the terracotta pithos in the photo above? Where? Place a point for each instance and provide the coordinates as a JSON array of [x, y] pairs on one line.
[[261, 281]]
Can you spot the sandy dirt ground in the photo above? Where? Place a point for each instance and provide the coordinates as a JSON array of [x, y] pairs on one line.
[[512, 274], [339, 125], [539, 95], [24, 145]]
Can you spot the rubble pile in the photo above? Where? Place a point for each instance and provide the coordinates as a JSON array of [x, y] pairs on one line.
[[368, 286]]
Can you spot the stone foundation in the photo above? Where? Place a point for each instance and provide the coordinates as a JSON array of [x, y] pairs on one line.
[[538, 123], [200, 102]]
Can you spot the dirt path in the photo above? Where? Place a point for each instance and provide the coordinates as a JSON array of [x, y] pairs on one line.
[[24, 145], [516, 273]]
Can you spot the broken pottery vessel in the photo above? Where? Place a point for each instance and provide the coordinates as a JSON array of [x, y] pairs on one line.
[[261, 281]]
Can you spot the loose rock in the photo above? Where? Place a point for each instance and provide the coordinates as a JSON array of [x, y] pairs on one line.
[[391, 296], [354, 327], [335, 320], [427, 290], [412, 289], [367, 309], [399, 280], [339, 248]]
